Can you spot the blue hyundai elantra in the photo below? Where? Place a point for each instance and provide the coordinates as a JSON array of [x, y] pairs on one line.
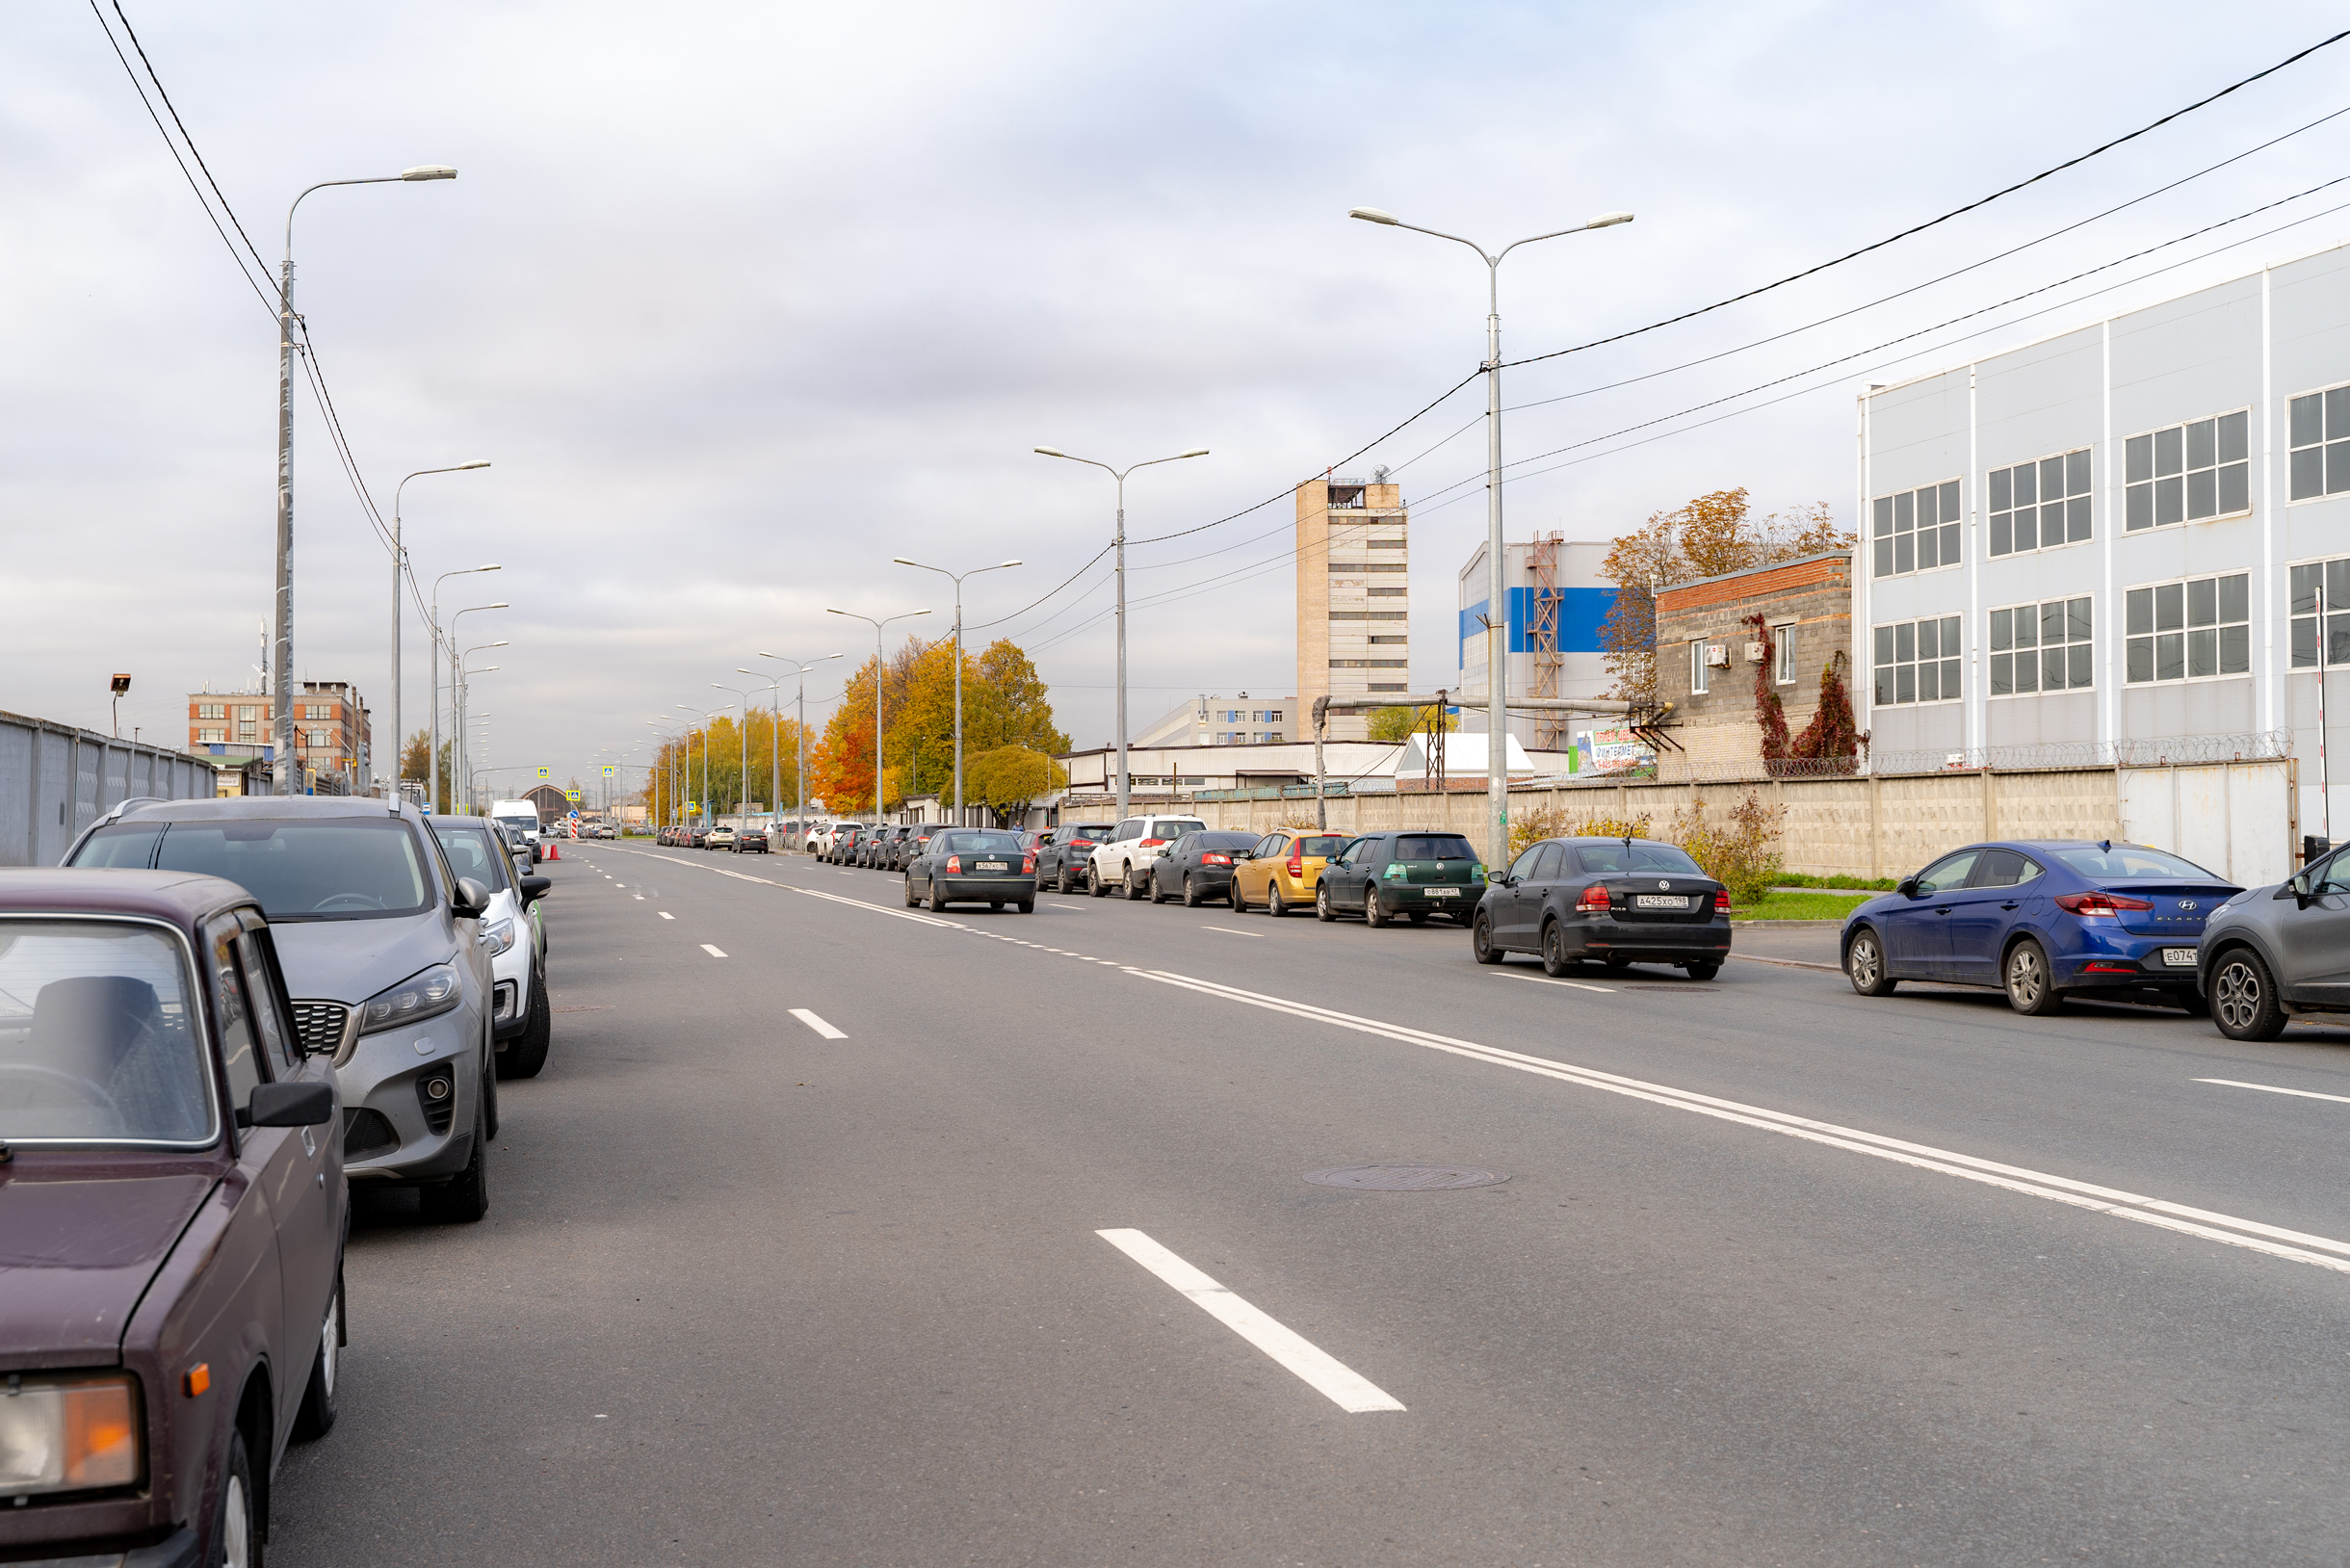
[[2042, 920]]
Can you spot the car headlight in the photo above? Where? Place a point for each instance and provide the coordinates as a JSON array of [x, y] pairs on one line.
[[500, 935], [68, 1434], [420, 996]]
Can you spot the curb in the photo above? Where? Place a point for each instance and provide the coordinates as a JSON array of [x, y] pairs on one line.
[[1790, 924]]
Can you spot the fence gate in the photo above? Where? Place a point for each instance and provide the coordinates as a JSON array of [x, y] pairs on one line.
[[2239, 818]]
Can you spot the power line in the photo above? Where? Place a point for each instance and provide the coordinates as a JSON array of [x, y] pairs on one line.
[[196, 151], [1954, 211]]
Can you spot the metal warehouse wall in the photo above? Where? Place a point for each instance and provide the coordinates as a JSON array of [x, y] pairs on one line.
[[56, 780]]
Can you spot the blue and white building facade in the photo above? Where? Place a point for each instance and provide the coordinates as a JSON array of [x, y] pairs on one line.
[[2122, 533], [1583, 599]]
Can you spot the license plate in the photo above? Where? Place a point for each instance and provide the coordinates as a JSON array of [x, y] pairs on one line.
[[991, 865], [1441, 893], [1659, 900], [2179, 957]]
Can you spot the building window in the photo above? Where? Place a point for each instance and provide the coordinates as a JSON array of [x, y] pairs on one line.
[[211, 710], [1397, 687], [1390, 594], [1917, 660], [1386, 544], [211, 737], [2038, 506], [2331, 579], [1697, 667], [1917, 529], [2186, 631], [1783, 654], [2040, 647], [2322, 444], [1390, 640], [2187, 472]]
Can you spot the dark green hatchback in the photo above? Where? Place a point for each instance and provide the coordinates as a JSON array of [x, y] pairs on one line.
[[1407, 875]]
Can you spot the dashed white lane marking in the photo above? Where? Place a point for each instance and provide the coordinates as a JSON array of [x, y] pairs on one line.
[[638, 896], [818, 1024], [2271, 1088], [1545, 980], [1327, 1376], [1229, 931], [2105, 1200], [712, 951], [666, 915]]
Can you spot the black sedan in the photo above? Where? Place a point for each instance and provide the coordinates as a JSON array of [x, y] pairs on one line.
[[1064, 855], [750, 841], [1197, 866], [1620, 901], [973, 865], [907, 849], [1390, 876]]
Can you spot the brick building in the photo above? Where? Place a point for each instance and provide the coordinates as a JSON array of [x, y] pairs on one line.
[[1707, 648], [332, 739]]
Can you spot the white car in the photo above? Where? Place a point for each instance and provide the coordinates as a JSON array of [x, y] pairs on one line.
[[520, 818], [1123, 859], [521, 1019]]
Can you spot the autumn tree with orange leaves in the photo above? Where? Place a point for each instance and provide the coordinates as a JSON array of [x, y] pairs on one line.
[[1005, 703], [1714, 534]]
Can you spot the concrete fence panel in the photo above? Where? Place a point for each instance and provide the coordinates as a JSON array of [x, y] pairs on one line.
[[56, 780]]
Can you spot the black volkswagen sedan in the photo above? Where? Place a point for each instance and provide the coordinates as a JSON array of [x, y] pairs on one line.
[[973, 865], [1197, 866], [1621, 901], [1389, 876]]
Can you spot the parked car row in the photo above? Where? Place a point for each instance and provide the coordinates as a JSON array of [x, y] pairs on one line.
[[216, 1018]]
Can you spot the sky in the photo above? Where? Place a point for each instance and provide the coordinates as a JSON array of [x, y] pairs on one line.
[[741, 302]]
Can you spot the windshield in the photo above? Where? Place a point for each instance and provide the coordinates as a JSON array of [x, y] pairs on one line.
[[978, 843], [518, 822], [2126, 862], [299, 869], [97, 1039], [1613, 857], [471, 853], [1433, 846]]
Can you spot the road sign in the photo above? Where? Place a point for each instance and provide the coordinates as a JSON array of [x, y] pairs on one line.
[[572, 796], [543, 773], [608, 773]]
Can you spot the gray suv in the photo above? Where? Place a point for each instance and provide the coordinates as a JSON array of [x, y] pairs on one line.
[[2275, 953], [384, 960]]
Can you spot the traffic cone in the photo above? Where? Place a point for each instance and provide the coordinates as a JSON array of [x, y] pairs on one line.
[[554, 850]]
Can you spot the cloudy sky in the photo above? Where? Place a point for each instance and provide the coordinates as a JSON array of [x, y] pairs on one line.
[[744, 301]]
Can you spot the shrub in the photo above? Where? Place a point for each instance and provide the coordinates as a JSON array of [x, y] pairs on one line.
[[1743, 856], [1554, 821]]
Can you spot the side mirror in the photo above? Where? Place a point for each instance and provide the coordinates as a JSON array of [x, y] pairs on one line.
[[471, 900], [1907, 887], [534, 888], [288, 1105]]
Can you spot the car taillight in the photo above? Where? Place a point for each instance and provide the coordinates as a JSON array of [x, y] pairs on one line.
[[1721, 898], [1080, 843], [1027, 865], [1215, 860], [1298, 861], [1151, 843], [1594, 901], [2092, 905], [954, 865]]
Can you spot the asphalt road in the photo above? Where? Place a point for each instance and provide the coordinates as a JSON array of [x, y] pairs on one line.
[[1777, 1275]]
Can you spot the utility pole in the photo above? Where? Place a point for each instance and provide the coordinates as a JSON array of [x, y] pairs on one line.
[[959, 653]]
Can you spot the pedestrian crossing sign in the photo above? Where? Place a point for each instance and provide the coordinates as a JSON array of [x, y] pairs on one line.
[[543, 773]]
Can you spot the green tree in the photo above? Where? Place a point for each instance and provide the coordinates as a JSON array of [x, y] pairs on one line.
[[1010, 778], [1396, 724]]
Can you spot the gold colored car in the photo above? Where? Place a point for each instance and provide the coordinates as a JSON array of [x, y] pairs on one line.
[[1280, 873]]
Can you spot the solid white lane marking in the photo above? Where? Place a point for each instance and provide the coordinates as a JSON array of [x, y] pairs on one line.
[[666, 915], [712, 951], [818, 1024], [2271, 1088], [1327, 1376], [1229, 931], [1545, 980], [2121, 1205]]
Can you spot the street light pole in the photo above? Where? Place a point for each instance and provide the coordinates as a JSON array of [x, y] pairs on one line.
[[742, 771], [1497, 584], [803, 725], [878, 673], [1120, 474], [433, 772], [958, 658], [282, 653], [399, 568]]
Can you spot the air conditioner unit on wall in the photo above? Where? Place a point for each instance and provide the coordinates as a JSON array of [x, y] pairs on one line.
[[1717, 655], [1756, 652]]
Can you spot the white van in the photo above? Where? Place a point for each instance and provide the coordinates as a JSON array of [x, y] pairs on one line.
[[521, 819]]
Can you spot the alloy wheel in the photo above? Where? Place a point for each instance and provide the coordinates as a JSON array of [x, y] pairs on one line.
[[2235, 997]]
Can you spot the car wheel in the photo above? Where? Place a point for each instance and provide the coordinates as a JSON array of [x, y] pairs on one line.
[[1703, 971], [1157, 888], [466, 1197], [1554, 959], [1062, 882], [529, 1052], [1190, 894], [910, 899], [1481, 944], [938, 899], [1094, 883], [1864, 966], [1274, 905], [490, 1087], [2031, 988], [2244, 998], [316, 1417], [1321, 902], [1127, 889], [1373, 914], [236, 1526], [1027, 906]]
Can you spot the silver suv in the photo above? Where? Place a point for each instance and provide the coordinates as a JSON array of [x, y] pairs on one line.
[[383, 958]]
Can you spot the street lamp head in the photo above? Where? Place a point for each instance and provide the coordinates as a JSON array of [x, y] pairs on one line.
[[428, 172], [1195, 451], [835, 655], [1049, 452], [1002, 564], [493, 567], [1609, 220], [1372, 215], [903, 561], [830, 612], [478, 462]]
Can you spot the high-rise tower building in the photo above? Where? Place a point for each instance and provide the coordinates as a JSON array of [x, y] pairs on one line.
[[1353, 596]]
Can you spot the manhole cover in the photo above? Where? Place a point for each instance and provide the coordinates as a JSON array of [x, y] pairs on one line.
[[1405, 1178]]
